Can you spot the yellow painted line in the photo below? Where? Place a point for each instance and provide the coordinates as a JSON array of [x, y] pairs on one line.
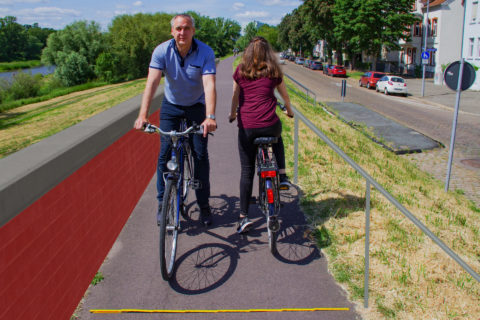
[[218, 311]]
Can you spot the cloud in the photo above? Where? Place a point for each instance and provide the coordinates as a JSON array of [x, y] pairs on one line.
[[252, 14], [280, 3], [53, 13], [238, 5], [9, 2], [137, 3]]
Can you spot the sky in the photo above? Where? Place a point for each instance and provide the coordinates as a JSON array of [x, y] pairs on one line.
[[57, 14]]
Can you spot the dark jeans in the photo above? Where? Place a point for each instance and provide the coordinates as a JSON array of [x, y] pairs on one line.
[[170, 116], [248, 152]]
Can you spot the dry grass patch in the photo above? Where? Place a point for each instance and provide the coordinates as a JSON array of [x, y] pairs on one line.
[[23, 126], [410, 276]]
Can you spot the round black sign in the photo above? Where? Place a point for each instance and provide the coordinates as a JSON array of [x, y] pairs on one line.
[[452, 73]]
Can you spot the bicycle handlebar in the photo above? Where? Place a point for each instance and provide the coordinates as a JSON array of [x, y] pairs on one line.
[[195, 129]]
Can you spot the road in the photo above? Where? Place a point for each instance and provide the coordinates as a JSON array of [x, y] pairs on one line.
[[431, 119]]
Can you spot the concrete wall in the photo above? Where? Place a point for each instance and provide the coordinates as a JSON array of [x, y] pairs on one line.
[[63, 202], [472, 30]]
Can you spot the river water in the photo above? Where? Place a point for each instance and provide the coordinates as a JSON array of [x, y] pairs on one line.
[[44, 70]]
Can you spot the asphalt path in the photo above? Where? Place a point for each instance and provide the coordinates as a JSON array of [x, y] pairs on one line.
[[218, 269], [431, 119]]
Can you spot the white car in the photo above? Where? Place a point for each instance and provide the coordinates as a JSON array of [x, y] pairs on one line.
[[281, 59], [392, 85]]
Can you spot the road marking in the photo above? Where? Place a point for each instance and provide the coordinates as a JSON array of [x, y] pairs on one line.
[[217, 311]]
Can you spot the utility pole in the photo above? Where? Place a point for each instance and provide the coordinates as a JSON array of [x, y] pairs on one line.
[[425, 48]]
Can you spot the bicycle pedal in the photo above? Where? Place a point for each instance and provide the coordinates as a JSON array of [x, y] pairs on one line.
[[195, 184]]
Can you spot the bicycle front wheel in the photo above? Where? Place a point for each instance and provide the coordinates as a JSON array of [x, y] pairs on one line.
[[187, 170], [169, 226]]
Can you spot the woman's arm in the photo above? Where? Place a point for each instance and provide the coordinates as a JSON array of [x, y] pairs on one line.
[[282, 89], [235, 100]]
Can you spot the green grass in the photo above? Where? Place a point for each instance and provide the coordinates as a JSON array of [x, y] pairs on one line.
[[409, 273], [355, 74], [52, 94], [16, 65], [98, 278]]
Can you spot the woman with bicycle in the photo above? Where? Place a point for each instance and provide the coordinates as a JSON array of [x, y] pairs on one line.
[[254, 106]]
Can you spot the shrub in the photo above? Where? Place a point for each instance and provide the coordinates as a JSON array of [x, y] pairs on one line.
[[73, 69], [25, 85]]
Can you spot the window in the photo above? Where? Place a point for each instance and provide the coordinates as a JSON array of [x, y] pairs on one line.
[[474, 11], [417, 29], [478, 48], [434, 26], [470, 48], [411, 55], [431, 60], [428, 26]]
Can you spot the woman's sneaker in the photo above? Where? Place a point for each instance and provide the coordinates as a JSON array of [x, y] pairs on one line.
[[284, 182], [243, 225]]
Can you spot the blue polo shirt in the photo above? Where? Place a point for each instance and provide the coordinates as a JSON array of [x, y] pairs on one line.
[[183, 85]]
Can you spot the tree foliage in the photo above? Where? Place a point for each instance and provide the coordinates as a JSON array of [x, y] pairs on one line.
[[351, 26], [74, 51], [18, 43], [132, 39]]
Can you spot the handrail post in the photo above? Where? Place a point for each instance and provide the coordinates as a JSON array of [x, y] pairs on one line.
[[295, 151], [367, 243]]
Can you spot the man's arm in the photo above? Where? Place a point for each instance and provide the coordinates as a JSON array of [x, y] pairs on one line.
[[209, 125], [153, 80]]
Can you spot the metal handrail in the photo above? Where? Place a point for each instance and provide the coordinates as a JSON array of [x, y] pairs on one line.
[[371, 181], [307, 91]]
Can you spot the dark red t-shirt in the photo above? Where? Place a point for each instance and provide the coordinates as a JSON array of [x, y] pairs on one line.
[[257, 102]]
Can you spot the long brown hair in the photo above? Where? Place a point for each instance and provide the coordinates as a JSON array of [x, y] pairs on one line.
[[259, 61]]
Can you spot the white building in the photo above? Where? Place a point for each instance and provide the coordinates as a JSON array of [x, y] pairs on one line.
[[444, 21], [471, 39]]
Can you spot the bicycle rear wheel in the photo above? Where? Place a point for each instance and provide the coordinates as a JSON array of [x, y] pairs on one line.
[[169, 226], [271, 203]]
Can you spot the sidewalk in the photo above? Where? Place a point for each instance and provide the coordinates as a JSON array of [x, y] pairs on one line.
[[218, 269]]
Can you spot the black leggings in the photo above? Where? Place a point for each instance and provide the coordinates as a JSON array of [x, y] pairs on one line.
[[248, 152]]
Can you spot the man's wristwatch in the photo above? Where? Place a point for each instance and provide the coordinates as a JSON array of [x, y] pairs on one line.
[[211, 116]]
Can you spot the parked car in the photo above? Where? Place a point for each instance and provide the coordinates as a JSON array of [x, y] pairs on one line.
[[369, 79], [299, 60], [316, 65], [291, 58], [392, 85], [306, 63], [337, 71], [281, 59]]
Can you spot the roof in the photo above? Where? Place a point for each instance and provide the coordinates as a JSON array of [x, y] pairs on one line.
[[433, 3]]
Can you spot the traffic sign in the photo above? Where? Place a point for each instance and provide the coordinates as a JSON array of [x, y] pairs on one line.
[[453, 72], [424, 61], [425, 55]]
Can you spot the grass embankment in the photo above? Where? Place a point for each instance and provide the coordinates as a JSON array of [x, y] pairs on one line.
[[410, 276], [17, 65], [23, 126]]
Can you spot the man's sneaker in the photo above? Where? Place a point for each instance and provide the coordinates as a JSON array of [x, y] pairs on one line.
[[243, 225], [284, 183], [206, 216]]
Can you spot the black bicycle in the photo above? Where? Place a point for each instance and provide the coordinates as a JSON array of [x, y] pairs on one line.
[[268, 187], [178, 180]]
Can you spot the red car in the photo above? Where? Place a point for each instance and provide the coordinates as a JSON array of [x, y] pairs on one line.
[[369, 79], [337, 71]]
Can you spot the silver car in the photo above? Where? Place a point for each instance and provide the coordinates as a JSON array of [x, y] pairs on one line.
[[392, 85]]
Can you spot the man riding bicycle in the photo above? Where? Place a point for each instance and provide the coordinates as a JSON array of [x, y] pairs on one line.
[[189, 68]]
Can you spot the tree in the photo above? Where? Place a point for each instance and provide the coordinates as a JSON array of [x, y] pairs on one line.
[[132, 40], [249, 32], [74, 51], [13, 39], [219, 33], [271, 35]]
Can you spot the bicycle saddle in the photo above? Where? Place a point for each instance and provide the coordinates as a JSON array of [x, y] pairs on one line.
[[265, 140]]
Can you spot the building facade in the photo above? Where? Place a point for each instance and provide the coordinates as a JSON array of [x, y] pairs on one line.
[[471, 39], [442, 27]]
